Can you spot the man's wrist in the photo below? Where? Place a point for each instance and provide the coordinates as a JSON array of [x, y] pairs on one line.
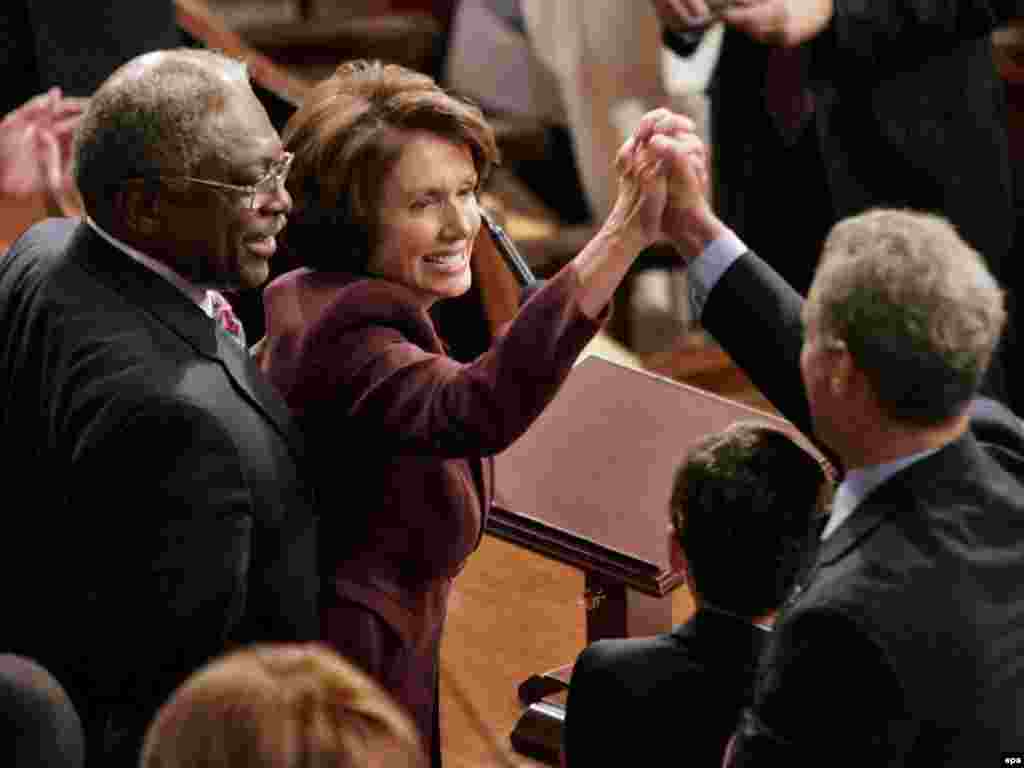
[[693, 230]]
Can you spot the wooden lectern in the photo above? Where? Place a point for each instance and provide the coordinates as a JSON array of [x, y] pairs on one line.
[[588, 485]]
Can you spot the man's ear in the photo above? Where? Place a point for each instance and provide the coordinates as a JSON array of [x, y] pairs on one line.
[[139, 207], [847, 380], [844, 376], [676, 558]]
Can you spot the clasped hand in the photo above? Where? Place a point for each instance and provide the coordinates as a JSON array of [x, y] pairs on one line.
[[663, 178]]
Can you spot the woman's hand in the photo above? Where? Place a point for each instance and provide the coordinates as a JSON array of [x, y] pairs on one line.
[[643, 192], [663, 182], [663, 175]]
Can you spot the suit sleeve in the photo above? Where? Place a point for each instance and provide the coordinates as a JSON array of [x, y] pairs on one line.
[[755, 316], [415, 401], [55, 44], [825, 695], [164, 478]]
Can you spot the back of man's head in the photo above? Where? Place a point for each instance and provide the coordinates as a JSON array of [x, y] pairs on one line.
[[39, 727], [743, 507], [150, 118], [915, 306]]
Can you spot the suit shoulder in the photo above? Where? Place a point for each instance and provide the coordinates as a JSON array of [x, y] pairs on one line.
[[623, 658], [376, 303], [37, 252], [54, 232]]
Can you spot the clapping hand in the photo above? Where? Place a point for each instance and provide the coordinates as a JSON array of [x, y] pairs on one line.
[[785, 23], [776, 22], [35, 148]]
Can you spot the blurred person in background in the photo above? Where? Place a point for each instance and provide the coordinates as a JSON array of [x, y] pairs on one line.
[[281, 706]]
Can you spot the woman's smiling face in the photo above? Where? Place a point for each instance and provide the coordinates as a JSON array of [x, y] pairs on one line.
[[428, 218]]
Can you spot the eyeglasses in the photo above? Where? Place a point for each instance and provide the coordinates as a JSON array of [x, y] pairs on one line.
[[267, 185]]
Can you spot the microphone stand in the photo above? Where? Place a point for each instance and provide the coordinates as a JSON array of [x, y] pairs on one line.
[[513, 260]]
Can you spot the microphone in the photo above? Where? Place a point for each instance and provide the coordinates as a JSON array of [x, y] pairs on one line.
[[513, 260]]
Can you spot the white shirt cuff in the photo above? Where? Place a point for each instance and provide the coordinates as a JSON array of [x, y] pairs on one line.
[[706, 270]]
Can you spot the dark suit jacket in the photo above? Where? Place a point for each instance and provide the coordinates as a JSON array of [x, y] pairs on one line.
[[358, 357], [161, 518], [910, 618], [76, 45], [697, 678], [897, 85]]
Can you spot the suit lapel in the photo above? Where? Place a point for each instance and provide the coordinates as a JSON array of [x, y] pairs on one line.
[[156, 297], [253, 385], [924, 482], [861, 524]]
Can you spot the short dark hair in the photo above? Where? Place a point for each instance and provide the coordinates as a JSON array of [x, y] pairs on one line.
[[743, 507], [347, 137], [150, 117]]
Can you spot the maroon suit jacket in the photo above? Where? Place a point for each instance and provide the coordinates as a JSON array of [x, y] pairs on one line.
[[400, 433]]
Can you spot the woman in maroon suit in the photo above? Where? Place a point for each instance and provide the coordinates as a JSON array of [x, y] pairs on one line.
[[385, 179]]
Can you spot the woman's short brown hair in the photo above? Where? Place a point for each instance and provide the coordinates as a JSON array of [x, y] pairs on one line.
[[281, 706], [346, 139]]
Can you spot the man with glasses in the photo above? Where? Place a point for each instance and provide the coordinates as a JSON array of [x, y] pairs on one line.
[[163, 517]]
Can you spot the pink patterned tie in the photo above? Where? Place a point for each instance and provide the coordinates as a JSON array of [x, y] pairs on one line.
[[224, 315]]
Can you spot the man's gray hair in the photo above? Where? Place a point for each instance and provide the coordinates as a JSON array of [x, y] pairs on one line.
[[149, 118], [916, 307]]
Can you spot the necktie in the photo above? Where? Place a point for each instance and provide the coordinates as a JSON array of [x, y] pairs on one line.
[[224, 315], [786, 95]]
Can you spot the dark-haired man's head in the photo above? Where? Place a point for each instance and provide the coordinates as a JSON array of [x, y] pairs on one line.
[[743, 510]]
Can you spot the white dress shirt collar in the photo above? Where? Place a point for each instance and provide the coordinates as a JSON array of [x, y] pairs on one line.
[[704, 272], [858, 483]]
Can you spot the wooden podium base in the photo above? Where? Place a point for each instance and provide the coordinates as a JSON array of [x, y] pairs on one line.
[[613, 610], [538, 733]]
